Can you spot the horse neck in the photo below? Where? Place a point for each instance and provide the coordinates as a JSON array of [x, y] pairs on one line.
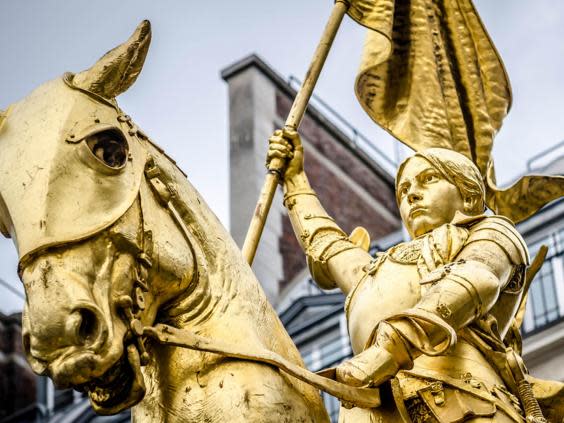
[[224, 302], [225, 291]]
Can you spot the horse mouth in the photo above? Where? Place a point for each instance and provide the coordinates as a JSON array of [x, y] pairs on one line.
[[120, 387]]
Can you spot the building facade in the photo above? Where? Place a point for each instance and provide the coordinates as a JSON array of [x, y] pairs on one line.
[[352, 182]]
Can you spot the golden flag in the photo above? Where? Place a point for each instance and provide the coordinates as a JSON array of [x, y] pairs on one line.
[[431, 77]]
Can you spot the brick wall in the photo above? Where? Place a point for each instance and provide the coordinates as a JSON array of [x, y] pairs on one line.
[[352, 187]]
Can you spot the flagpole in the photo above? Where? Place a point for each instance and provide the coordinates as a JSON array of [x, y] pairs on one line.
[[292, 122]]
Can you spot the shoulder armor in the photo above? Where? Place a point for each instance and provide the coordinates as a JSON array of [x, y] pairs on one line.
[[502, 232]]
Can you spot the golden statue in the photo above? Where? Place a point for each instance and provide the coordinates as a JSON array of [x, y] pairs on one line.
[[438, 307], [439, 315], [138, 296]]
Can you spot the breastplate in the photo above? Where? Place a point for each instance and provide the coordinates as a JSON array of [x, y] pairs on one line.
[[391, 287]]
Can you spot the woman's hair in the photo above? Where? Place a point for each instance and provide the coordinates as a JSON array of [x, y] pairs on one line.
[[456, 169]]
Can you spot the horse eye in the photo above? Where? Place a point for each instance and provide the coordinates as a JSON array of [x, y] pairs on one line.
[[110, 147]]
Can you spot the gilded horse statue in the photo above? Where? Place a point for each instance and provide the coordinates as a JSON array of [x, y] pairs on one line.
[[113, 239]]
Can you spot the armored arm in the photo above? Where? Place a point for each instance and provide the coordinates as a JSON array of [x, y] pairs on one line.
[[333, 260], [464, 290]]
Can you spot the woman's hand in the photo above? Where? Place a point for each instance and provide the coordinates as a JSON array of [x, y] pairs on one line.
[[286, 146], [371, 367]]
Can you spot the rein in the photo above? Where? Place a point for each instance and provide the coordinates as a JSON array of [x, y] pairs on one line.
[[168, 335], [324, 380]]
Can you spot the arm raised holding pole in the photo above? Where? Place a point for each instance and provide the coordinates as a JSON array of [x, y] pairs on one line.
[[333, 260], [373, 14]]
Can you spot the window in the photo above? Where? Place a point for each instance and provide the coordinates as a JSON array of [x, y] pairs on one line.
[[545, 304]]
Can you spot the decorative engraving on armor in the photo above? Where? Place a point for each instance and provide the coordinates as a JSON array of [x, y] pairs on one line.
[[470, 380], [444, 311], [305, 235], [407, 252], [310, 216], [433, 277], [375, 264], [516, 282], [419, 412], [288, 197], [438, 393]]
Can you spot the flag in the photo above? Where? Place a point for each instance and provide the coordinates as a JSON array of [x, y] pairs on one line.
[[431, 76]]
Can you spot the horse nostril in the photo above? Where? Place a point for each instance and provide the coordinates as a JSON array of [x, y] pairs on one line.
[[85, 325]]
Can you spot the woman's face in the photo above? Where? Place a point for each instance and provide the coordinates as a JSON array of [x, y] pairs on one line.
[[426, 199]]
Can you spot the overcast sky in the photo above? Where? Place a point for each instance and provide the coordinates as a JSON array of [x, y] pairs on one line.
[[181, 102]]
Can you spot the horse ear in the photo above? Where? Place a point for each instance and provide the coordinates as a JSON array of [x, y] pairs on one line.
[[118, 69]]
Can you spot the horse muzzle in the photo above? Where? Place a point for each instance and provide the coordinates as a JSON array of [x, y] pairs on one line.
[[74, 332], [120, 387], [88, 362], [70, 348]]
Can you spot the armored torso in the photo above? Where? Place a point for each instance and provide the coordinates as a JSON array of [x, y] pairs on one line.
[[398, 279], [395, 280]]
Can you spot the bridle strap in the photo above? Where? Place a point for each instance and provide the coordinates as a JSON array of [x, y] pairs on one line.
[[168, 335], [359, 396], [166, 194]]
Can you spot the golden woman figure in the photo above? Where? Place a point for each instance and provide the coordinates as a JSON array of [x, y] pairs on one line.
[[437, 315], [455, 287]]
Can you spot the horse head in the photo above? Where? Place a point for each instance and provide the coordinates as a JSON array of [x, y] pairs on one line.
[[70, 199]]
